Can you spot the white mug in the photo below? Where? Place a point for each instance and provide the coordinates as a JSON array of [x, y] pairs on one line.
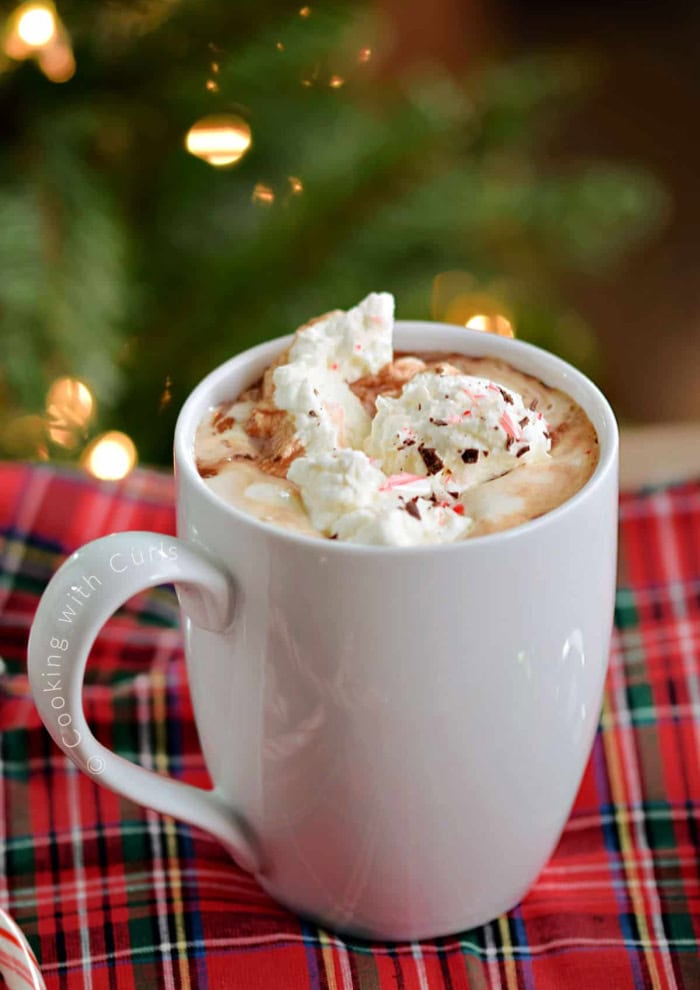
[[395, 735]]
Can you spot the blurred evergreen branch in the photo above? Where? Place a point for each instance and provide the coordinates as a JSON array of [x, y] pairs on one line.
[[124, 260]]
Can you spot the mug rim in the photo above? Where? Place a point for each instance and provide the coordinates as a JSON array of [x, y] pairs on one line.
[[487, 344]]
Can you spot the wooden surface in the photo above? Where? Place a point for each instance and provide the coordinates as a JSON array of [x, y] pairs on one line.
[[658, 454]]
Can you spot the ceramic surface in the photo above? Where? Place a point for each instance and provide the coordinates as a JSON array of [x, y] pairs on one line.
[[396, 735]]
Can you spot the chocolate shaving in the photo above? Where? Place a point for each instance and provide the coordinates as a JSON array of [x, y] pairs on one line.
[[213, 468], [407, 443], [432, 460], [509, 442], [533, 405], [412, 509], [470, 455], [507, 397], [523, 422], [438, 422], [523, 450], [312, 412]]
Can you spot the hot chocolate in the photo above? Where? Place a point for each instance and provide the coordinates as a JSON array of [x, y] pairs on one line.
[[342, 439]]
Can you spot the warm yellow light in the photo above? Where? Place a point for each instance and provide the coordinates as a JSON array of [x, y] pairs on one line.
[[110, 456], [491, 323], [305, 12], [219, 139], [57, 62], [335, 82], [212, 86], [279, 46], [297, 186], [478, 322], [263, 194], [71, 399], [36, 24], [69, 406], [364, 55]]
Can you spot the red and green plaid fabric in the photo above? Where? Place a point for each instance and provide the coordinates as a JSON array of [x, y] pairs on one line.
[[113, 896]]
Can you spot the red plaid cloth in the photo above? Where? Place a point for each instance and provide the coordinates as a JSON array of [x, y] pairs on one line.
[[113, 896]]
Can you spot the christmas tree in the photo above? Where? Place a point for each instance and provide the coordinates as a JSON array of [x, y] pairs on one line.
[[183, 180]]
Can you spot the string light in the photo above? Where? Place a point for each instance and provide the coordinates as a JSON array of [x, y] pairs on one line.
[[212, 86], [57, 62], [310, 76], [110, 456], [263, 194], [279, 46], [219, 140], [491, 323], [167, 394], [305, 12], [35, 30], [296, 185], [335, 82], [69, 406], [364, 55], [36, 24]]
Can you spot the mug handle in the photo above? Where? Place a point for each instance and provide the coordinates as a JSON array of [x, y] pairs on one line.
[[80, 597]]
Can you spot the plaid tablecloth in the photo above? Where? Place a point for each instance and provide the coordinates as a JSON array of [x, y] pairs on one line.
[[113, 896]]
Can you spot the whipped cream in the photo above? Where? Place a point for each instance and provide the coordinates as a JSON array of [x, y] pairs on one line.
[[326, 356], [348, 497], [466, 429], [396, 479]]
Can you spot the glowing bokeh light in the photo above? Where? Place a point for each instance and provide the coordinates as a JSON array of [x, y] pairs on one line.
[[296, 185], [36, 24], [263, 194], [69, 406], [305, 12], [335, 82], [212, 86], [364, 55], [491, 323], [57, 62], [71, 399], [167, 394], [110, 456], [219, 139]]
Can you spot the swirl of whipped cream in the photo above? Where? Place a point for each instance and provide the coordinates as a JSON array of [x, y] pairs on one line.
[[395, 480], [348, 497], [464, 429], [327, 355]]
